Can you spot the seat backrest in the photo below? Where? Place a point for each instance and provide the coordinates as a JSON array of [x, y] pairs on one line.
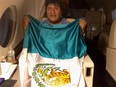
[[94, 19], [112, 37], [77, 13], [95, 22]]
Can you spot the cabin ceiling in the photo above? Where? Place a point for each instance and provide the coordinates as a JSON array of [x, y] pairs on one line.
[[93, 3], [102, 3]]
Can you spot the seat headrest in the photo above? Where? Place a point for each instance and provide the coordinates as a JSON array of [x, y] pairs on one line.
[[112, 37]]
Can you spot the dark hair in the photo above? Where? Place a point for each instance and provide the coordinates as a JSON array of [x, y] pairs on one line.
[[56, 2]]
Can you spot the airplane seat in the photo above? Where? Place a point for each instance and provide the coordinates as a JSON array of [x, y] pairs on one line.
[[112, 40], [111, 52], [104, 39], [95, 22]]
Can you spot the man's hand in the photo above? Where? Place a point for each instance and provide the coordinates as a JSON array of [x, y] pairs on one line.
[[82, 24], [25, 21]]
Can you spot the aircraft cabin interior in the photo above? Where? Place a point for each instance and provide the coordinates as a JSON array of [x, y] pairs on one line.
[[98, 66]]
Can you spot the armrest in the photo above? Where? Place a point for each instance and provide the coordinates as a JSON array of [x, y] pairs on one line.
[[88, 71]]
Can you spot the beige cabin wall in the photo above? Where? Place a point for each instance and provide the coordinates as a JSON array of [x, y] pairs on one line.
[[23, 7]]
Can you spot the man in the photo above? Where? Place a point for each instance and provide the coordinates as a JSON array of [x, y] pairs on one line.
[[54, 15]]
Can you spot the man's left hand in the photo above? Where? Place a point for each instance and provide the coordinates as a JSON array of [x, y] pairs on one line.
[[82, 24]]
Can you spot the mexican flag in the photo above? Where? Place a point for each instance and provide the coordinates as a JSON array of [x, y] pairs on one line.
[[59, 47]]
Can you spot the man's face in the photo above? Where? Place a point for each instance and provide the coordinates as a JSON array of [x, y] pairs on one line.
[[53, 12]]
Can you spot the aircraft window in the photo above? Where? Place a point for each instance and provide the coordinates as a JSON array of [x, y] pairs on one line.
[[8, 26]]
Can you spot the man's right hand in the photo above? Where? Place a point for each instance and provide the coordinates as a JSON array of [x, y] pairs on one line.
[[25, 21]]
